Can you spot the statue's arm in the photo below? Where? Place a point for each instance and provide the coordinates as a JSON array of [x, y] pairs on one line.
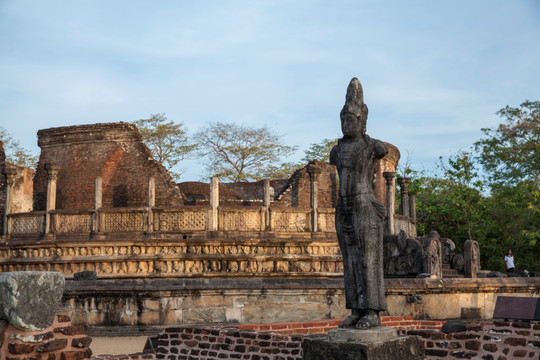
[[333, 155], [380, 149]]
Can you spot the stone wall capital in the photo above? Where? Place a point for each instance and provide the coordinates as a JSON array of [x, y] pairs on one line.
[[11, 173], [389, 176], [404, 183], [52, 170]]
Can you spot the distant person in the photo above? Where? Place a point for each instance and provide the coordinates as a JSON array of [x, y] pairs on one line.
[[509, 260]]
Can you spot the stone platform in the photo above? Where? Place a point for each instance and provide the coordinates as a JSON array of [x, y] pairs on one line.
[[380, 343]]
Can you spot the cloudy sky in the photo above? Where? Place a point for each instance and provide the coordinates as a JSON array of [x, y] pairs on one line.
[[434, 72]]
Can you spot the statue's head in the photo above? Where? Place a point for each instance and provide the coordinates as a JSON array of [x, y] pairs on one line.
[[354, 113]]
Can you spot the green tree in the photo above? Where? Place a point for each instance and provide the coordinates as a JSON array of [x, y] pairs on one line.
[[511, 152], [452, 203], [15, 153], [240, 153], [319, 151], [510, 155], [167, 141]]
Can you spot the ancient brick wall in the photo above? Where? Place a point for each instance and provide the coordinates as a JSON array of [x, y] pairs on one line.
[[22, 190], [3, 183], [484, 340], [61, 340], [113, 152], [297, 191], [226, 343], [387, 164]]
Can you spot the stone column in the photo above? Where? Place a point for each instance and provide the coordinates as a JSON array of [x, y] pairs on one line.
[[214, 204], [412, 207], [404, 185], [98, 202], [314, 182], [390, 201], [52, 175], [10, 177], [151, 202], [266, 204]]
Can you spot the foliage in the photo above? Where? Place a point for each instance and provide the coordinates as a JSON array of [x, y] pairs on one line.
[[452, 203], [501, 212], [166, 140], [511, 153], [240, 153], [319, 151], [15, 153]]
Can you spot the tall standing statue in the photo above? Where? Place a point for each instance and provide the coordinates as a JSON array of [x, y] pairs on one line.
[[359, 216]]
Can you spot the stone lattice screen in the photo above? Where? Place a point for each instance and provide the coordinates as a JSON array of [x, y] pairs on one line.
[[186, 219]]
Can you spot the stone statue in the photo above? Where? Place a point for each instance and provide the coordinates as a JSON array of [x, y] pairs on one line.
[[359, 216]]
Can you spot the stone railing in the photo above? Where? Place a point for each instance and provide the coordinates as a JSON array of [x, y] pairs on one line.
[[149, 218], [187, 219]]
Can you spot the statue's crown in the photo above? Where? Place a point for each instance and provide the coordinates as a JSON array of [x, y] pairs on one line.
[[354, 99]]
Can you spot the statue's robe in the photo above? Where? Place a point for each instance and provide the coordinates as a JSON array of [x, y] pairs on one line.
[[359, 221]]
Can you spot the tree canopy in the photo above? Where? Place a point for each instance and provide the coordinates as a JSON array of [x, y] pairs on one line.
[[319, 151], [511, 152], [167, 141], [15, 153], [241, 153], [501, 210]]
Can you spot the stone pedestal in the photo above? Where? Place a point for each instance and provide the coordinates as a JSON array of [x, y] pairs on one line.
[[380, 343]]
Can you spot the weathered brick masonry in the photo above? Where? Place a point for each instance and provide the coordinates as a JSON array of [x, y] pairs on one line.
[[3, 184], [256, 341], [60, 341], [498, 340], [113, 152], [226, 343]]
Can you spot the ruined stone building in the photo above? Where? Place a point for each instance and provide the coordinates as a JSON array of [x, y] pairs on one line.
[[99, 202], [98, 182]]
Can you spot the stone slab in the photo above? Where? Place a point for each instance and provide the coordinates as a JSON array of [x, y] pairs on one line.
[[519, 308], [401, 348], [29, 300], [375, 334]]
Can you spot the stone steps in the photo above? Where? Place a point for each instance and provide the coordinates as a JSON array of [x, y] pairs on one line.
[[448, 272]]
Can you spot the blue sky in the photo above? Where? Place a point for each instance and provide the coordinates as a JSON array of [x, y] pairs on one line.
[[434, 73]]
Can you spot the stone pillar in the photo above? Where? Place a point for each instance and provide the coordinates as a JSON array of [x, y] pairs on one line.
[[10, 177], [390, 201], [266, 204], [404, 185], [214, 204], [151, 202], [412, 207], [314, 181], [472, 258], [98, 202], [52, 174]]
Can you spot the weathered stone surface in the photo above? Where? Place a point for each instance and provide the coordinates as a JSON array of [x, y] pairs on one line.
[[402, 348], [472, 258], [371, 335], [402, 256], [85, 275], [359, 216], [3, 327], [29, 299], [453, 326]]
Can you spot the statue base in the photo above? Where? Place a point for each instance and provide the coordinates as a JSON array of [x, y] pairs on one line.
[[379, 343]]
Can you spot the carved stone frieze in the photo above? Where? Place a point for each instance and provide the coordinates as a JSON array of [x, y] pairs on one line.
[[178, 258]]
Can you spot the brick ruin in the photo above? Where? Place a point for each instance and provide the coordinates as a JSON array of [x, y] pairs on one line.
[[112, 152], [99, 182], [102, 204]]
